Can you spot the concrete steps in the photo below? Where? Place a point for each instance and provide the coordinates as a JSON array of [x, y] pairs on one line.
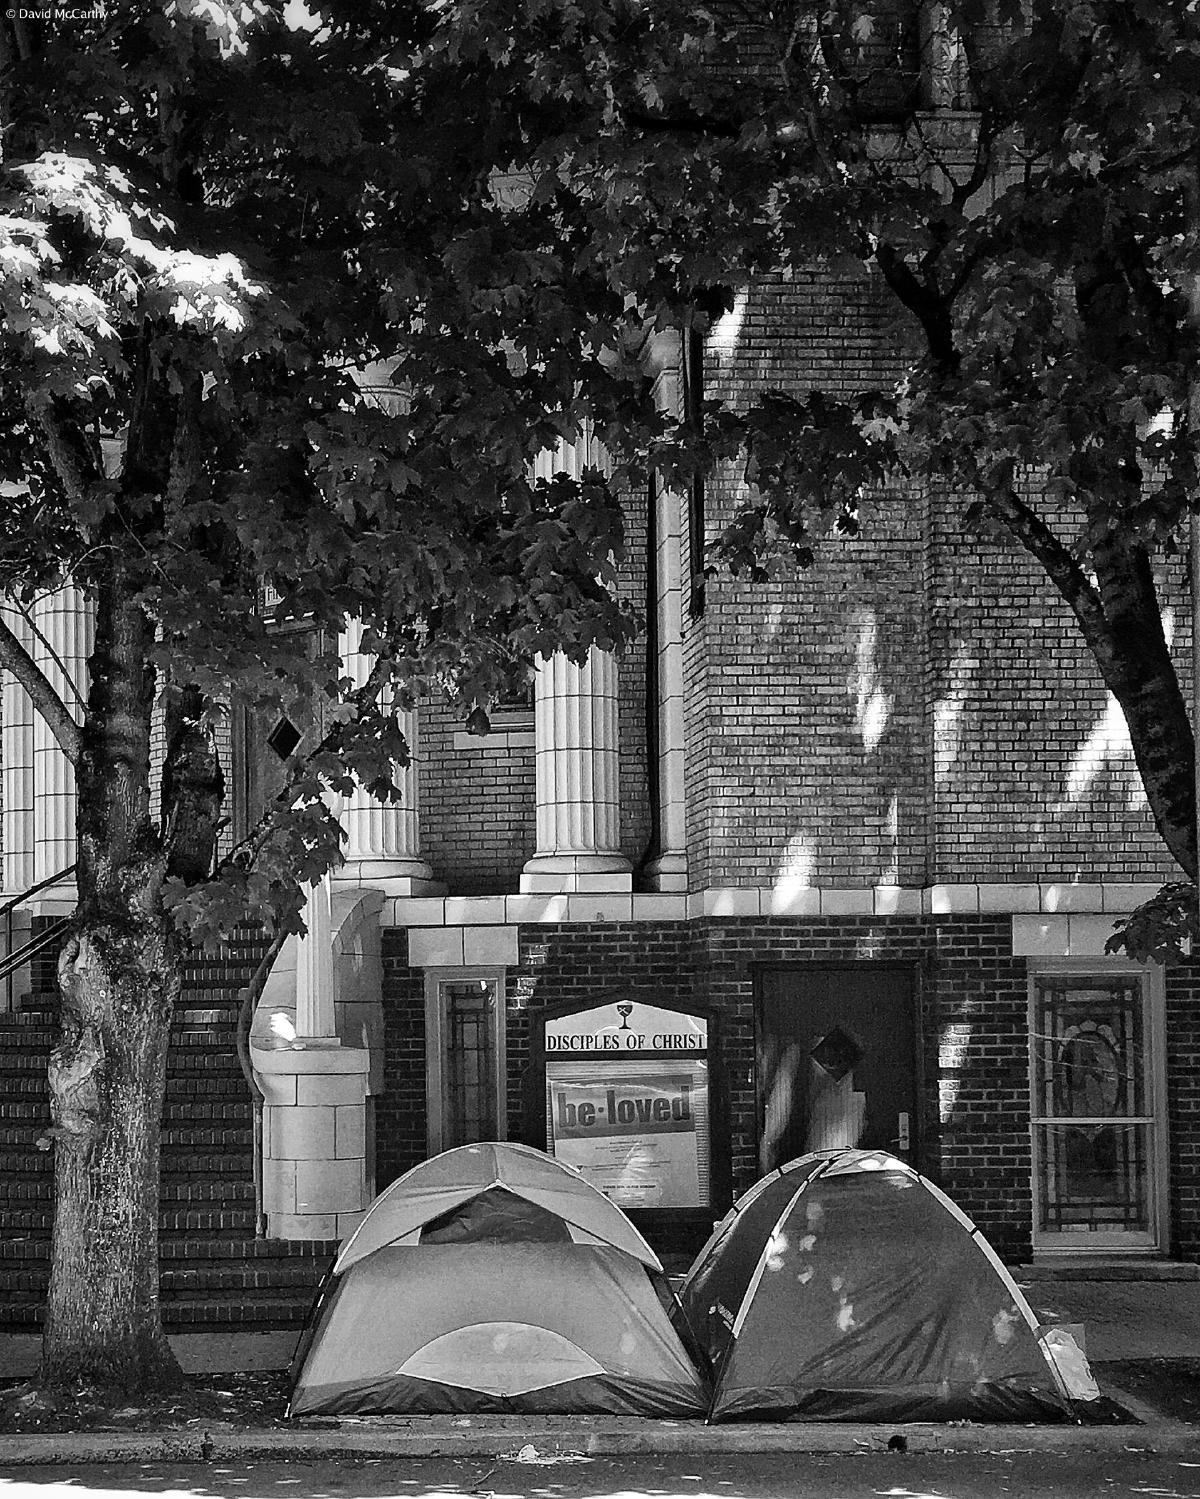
[[214, 1273]]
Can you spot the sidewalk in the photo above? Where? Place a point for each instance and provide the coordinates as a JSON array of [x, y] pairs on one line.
[[591, 1436], [1122, 1320]]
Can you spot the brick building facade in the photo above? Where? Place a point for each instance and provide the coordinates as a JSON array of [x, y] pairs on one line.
[[899, 767], [871, 824]]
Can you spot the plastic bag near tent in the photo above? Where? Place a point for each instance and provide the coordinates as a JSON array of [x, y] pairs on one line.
[[494, 1278], [847, 1287], [1071, 1362]]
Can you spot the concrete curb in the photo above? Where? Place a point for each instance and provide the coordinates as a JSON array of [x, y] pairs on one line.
[[592, 1437]]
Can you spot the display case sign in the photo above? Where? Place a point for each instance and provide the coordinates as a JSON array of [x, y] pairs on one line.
[[627, 1102]]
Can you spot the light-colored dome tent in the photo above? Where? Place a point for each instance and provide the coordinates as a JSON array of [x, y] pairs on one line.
[[845, 1286], [495, 1278]]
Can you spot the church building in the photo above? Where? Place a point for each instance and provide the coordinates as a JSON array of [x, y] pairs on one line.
[[827, 860]]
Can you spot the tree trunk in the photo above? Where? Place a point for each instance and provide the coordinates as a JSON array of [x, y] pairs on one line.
[[1142, 677], [107, 1078], [119, 976]]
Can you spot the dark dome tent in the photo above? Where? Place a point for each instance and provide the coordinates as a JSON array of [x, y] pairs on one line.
[[847, 1287], [494, 1278]]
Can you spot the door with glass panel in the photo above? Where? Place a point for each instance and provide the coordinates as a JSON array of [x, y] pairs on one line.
[[836, 1060], [1098, 1110], [464, 1049]]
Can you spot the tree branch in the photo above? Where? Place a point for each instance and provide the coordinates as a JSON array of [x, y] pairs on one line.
[[54, 712], [691, 124], [931, 309], [1061, 567]]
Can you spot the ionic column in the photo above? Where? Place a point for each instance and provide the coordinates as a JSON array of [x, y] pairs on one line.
[[383, 840], [61, 645], [576, 765], [316, 1018], [668, 871], [16, 747], [16, 800]]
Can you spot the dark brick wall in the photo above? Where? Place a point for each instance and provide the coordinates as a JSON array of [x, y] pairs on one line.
[[972, 1028], [1183, 1106], [977, 1057], [973, 1067], [400, 1114]]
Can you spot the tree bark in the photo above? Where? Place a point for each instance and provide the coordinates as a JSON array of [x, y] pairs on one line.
[[1143, 679], [119, 977]]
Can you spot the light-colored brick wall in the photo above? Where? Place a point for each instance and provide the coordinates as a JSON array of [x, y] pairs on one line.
[[477, 793], [476, 798], [919, 706], [815, 719], [1034, 775], [805, 699]]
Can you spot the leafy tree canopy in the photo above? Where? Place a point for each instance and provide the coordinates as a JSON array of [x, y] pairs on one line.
[[266, 327]]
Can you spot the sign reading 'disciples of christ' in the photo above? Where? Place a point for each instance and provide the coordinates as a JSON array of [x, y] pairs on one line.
[[627, 1026], [635, 1123]]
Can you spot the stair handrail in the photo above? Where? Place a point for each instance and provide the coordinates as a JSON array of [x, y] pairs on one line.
[[44, 939], [51, 879], [13, 961]]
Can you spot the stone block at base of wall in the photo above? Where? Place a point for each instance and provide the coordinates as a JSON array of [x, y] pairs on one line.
[[314, 1139]]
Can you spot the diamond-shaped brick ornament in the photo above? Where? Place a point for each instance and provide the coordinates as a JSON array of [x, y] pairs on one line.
[[837, 1053]]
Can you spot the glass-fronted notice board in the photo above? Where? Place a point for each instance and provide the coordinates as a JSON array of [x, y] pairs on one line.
[[628, 1099]]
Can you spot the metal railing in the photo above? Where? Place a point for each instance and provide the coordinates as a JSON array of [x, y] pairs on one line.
[[14, 959]]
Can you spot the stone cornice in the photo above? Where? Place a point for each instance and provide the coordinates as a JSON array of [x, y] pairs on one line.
[[1049, 898]]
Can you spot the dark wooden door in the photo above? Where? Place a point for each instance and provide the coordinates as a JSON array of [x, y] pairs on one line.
[[836, 1061]]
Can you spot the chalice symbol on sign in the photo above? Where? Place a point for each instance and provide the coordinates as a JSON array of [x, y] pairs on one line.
[[625, 1011]]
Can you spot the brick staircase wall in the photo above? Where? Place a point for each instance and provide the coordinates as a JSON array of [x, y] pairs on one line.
[[214, 1273]]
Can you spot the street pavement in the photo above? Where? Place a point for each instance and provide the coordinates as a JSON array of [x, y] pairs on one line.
[[995, 1475]]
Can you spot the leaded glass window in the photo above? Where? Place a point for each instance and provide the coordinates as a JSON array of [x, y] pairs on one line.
[[1093, 1117]]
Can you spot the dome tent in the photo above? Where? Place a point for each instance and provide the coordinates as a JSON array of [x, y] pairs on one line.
[[494, 1278], [845, 1286]]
